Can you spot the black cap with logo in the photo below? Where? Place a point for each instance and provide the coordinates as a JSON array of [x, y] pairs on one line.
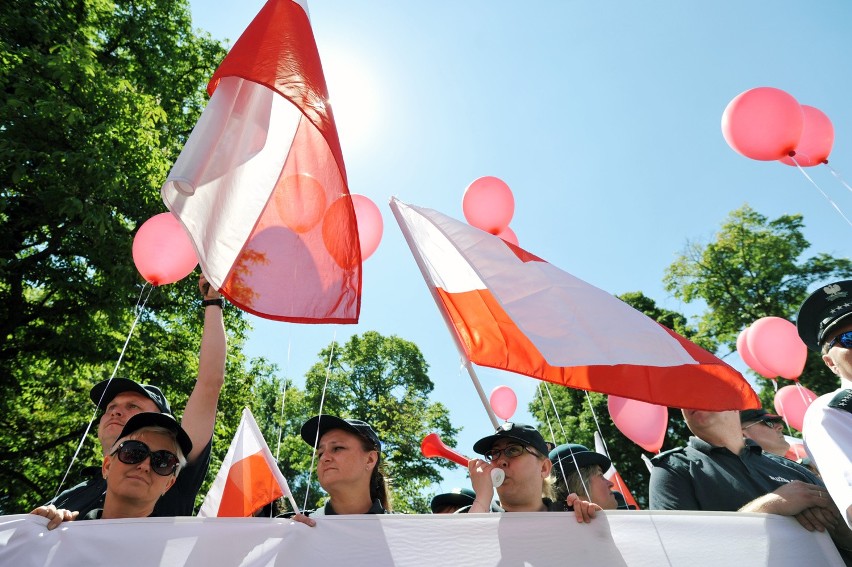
[[526, 434], [102, 393], [823, 311]]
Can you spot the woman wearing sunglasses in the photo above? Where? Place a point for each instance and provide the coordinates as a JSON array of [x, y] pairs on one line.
[[140, 468], [348, 456], [521, 452]]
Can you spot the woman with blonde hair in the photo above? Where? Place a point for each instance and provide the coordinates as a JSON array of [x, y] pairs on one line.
[[580, 471]]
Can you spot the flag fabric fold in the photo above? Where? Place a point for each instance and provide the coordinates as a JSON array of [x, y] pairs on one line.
[[249, 478], [260, 185], [511, 310]]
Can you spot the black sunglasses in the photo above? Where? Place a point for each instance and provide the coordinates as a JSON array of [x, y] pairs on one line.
[[133, 452], [771, 423], [844, 338]]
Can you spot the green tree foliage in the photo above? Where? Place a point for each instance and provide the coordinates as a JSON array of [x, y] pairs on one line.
[[98, 97], [567, 415], [754, 267], [384, 381]]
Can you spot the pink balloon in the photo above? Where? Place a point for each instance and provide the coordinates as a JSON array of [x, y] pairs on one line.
[[162, 251], [748, 357], [370, 224], [816, 141], [776, 345], [643, 423], [764, 123], [488, 204], [504, 402], [509, 235], [791, 403]]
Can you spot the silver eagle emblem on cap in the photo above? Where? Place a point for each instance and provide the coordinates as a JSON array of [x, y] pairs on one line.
[[834, 292]]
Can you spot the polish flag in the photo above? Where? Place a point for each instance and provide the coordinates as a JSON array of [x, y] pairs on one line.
[[260, 185], [249, 478], [612, 474], [513, 311]]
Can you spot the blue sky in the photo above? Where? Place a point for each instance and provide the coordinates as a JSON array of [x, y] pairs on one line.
[[603, 118]]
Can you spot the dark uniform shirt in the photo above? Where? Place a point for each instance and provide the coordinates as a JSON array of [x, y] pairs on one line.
[[179, 500], [700, 476], [328, 510]]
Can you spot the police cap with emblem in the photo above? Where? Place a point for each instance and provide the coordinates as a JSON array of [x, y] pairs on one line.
[[823, 311]]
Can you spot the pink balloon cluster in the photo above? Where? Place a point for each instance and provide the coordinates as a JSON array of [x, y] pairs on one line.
[[643, 423], [162, 251], [771, 347], [768, 124], [791, 403], [488, 204]]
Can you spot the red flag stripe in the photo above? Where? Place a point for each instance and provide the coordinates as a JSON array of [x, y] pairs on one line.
[[249, 487]]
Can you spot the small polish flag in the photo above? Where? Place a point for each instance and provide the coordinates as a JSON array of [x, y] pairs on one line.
[[249, 478]]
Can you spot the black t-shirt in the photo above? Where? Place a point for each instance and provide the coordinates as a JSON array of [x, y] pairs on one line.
[[178, 501], [328, 510]]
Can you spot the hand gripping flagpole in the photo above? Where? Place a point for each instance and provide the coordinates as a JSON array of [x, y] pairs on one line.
[[425, 273]]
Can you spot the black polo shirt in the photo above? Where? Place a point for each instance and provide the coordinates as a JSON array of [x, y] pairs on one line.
[[327, 510], [700, 476], [179, 500]]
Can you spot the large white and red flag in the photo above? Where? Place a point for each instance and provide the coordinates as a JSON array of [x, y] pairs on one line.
[[513, 311], [260, 185], [249, 478]]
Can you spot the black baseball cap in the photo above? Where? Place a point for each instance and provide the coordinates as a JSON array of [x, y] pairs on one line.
[[152, 419], [102, 393], [758, 414], [313, 429], [823, 311], [456, 497], [570, 453], [526, 434]]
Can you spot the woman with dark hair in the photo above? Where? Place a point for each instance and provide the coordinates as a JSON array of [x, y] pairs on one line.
[[349, 467]]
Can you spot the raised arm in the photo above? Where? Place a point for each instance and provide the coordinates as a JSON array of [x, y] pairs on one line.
[[200, 413]]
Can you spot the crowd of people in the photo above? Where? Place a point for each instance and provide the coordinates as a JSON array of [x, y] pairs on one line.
[[734, 461]]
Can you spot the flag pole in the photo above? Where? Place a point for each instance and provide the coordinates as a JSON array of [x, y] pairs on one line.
[[432, 290]]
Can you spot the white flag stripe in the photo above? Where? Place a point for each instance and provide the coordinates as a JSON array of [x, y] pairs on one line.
[[447, 268], [241, 140]]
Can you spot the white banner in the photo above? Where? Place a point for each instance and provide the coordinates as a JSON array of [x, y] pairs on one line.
[[618, 538]]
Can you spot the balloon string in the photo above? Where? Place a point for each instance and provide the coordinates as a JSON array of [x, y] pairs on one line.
[[281, 415], [599, 434], [805, 398], [564, 436], [141, 301], [322, 403], [789, 427], [833, 204], [837, 176], [546, 415]]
